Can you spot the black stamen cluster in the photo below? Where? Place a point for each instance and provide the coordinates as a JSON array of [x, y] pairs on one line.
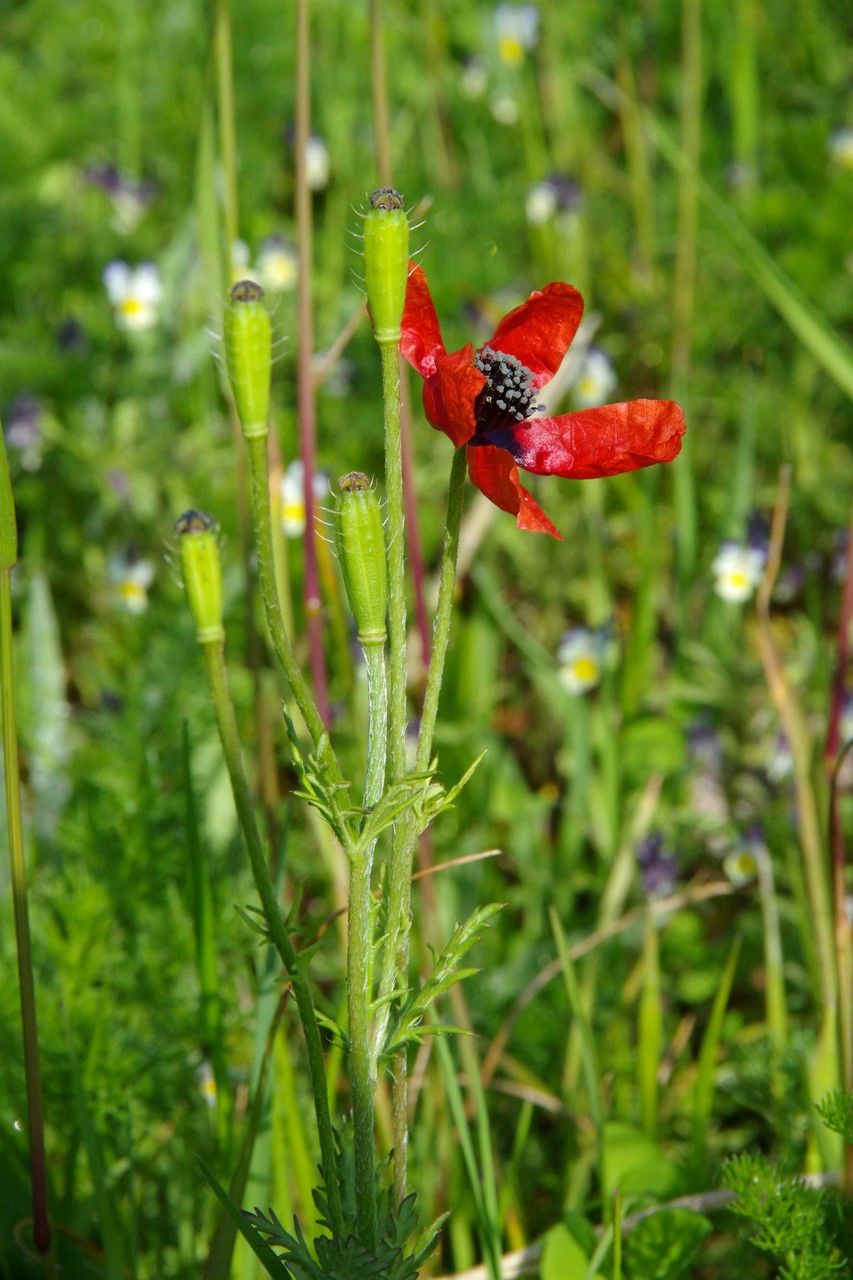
[[509, 391]]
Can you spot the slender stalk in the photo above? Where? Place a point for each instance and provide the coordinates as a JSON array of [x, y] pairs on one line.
[[685, 272], [395, 960], [379, 86], [382, 142], [35, 1118], [650, 1028], [359, 955], [796, 730], [214, 657], [14, 825], [444, 609], [304, 353], [227, 130], [262, 520], [410, 499], [839, 680], [774, 959], [396, 564]]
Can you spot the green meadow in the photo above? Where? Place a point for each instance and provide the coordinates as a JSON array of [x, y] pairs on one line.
[[447, 872]]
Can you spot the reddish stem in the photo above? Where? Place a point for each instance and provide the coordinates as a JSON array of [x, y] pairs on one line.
[[837, 696], [305, 350]]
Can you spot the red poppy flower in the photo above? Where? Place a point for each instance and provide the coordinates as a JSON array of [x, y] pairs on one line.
[[485, 400]]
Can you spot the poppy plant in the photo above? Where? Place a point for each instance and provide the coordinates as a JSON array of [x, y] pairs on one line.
[[486, 400]]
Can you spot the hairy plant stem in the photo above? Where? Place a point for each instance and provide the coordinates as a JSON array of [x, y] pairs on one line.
[[35, 1116], [360, 953], [395, 960], [382, 146], [214, 657], [305, 353], [396, 563], [262, 521]]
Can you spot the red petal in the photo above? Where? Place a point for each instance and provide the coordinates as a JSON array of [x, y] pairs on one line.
[[495, 474], [540, 331], [450, 393], [421, 341], [597, 442]]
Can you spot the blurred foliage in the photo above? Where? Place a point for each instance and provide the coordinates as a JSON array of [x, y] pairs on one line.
[[679, 736]]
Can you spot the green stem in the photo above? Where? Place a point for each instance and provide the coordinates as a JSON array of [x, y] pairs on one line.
[[395, 960], [35, 1118], [396, 567], [359, 955], [685, 275], [262, 521], [227, 131], [214, 656], [444, 611]]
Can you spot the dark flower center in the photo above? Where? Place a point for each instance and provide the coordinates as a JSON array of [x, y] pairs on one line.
[[509, 394]]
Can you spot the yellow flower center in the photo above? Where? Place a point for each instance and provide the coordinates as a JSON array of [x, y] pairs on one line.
[[130, 306], [132, 593], [737, 578], [585, 670], [293, 512], [511, 50]]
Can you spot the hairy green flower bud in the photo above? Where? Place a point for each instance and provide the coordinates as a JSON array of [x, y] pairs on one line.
[[202, 572], [361, 549], [386, 262], [248, 355]]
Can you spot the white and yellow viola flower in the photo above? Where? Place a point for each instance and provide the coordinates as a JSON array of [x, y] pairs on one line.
[[474, 80], [737, 569], [293, 497], [130, 577], [596, 380], [318, 164], [504, 108], [580, 658], [277, 265], [207, 1082], [135, 292], [540, 204], [516, 31], [841, 148]]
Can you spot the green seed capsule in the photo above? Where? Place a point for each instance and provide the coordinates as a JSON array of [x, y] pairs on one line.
[[386, 262], [248, 355], [8, 527], [202, 573], [361, 549]]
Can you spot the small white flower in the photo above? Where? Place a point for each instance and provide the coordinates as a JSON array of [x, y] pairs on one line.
[[318, 164], [541, 203], [516, 30], [841, 148], [293, 497], [596, 379], [135, 292], [779, 764], [240, 257], [738, 570], [580, 657], [740, 866], [504, 108], [130, 578], [277, 265], [207, 1082], [474, 81]]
